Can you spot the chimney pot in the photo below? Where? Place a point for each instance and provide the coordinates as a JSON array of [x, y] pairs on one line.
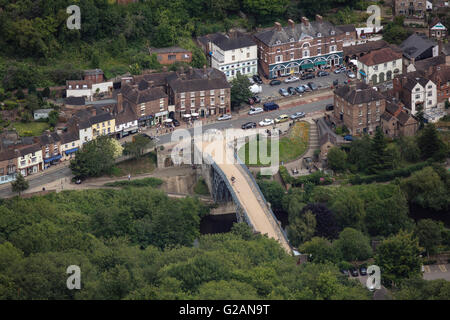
[[319, 18], [278, 26], [305, 21], [291, 23]]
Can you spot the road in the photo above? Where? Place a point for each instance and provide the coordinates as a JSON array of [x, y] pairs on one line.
[[438, 271], [236, 122]]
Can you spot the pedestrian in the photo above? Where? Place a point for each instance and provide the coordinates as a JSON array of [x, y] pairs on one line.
[[129, 176]]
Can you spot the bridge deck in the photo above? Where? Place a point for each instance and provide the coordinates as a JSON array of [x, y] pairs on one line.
[[245, 190]]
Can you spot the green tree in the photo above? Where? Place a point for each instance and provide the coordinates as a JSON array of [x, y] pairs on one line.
[[394, 32], [420, 115], [429, 234], [321, 250], [353, 245], [273, 192], [301, 228], [398, 258], [240, 91], [430, 145], [94, 159], [360, 153], [137, 146], [349, 210], [380, 159], [46, 92], [337, 159], [53, 118], [20, 184]]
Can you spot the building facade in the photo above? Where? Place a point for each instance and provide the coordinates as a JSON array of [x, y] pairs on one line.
[[70, 143], [437, 30], [379, 66], [283, 51], [415, 92], [410, 8], [30, 159], [8, 165], [359, 107], [50, 144], [171, 55]]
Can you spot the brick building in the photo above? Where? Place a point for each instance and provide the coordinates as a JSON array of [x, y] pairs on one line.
[[8, 165], [50, 143], [171, 55], [359, 107], [410, 8], [283, 51], [397, 122]]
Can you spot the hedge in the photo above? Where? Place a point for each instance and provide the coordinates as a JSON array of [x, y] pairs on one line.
[[146, 182], [317, 178], [389, 175]]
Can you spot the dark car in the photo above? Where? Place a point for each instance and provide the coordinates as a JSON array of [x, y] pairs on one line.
[[348, 138], [268, 106], [275, 82], [313, 86], [78, 181], [175, 122], [354, 272], [363, 270], [307, 76], [322, 74], [329, 107], [291, 91], [335, 82], [257, 79], [256, 99], [248, 125]]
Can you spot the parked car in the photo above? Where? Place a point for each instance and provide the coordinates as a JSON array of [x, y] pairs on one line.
[[335, 83], [282, 118], [256, 99], [306, 88], [297, 115], [300, 89], [307, 76], [348, 138], [350, 74], [248, 125], [322, 74], [255, 110], [291, 91], [345, 272], [363, 270], [329, 107], [269, 106], [275, 82], [313, 86], [257, 79], [291, 79], [354, 272], [340, 69], [176, 123], [224, 117], [78, 181], [266, 122], [251, 80], [283, 92]]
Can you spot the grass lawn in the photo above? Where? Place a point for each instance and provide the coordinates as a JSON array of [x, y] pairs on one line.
[[146, 164], [201, 188], [30, 129], [291, 146]]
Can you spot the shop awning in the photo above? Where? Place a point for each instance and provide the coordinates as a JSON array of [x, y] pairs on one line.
[[71, 151], [52, 158], [194, 114], [307, 66], [319, 63]]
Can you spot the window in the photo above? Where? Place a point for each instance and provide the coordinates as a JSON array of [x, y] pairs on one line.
[[192, 103], [417, 96], [161, 104], [385, 65], [211, 92], [375, 68], [172, 57], [222, 99], [319, 51], [305, 53], [377, 103], [292, 56], [202, 102], [279, 58], [202, 93], [417, 89], [319, 35], [182, 95], [291, 40], [332, 32], [222, 91], [248, 54], [192, 94], [278, 50], [430, 102], [212, 101], [394, 63], [182, 104], [430, 86]]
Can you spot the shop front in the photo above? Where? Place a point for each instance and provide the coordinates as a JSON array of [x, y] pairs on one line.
[[70, 154], [160, 117], [48, 162], [146, 121]]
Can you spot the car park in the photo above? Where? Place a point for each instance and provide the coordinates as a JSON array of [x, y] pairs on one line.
[[248, 125], [283, 92], [269, 106], [257, 79], [291, 91], [313, 86], [275, 82], [266, 122], [291, 79], [300, 89], [322, 74], [354, 272], [307, 76], [282, 118], [297, 115], [329, 107], [255, 110], [224, 117]]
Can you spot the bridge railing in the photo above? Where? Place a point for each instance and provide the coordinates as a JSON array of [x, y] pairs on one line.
[[230, 188], [242, 164]]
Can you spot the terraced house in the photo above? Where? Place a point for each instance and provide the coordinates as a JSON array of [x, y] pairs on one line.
[[288, 50], [50, 143], [30, 159]]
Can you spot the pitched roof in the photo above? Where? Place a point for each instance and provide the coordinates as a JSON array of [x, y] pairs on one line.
[[168, 50], [127, 115], [28, 149], [75, 101], [412, 81], [347, 28], [49, 138], [415, 45], [226, 42], [404, 117], [358, 93], [380, 56], [7, 154], [429, 62], [365, 47], [142, 92], [69, 136], [298, 32], [198, 80]]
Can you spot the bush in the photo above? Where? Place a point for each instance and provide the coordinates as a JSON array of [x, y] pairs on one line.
[[146, 182], [285, 176], [429, 261], [316, 178]]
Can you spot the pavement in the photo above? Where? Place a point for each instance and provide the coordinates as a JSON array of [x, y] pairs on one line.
[[437, 271]]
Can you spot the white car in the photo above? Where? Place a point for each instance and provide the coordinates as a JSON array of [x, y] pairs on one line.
[[351, 74], [297, 115], [224, 117], [266, 122], [255, 110], [291, 79]]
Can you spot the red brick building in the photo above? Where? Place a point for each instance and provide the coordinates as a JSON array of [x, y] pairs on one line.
[[171, 55]]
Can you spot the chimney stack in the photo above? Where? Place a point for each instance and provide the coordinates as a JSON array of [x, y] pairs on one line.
[[319, 18], [278, 26], [119, 103], [305, 21], [291, 23], [447, 61]]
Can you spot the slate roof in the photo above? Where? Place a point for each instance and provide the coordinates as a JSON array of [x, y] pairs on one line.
[[102, 117], [347, 28], [415, 45], [360, 93], [28, 149], [411, 82], [226, 43], [142, 93], [365, 47], [127, 115], [168, 50], [49, 138], [429, 62], [380, 56], [69, 136], [404, 117], [271, 36], [198, 80], [75, 101], [7, 154]]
